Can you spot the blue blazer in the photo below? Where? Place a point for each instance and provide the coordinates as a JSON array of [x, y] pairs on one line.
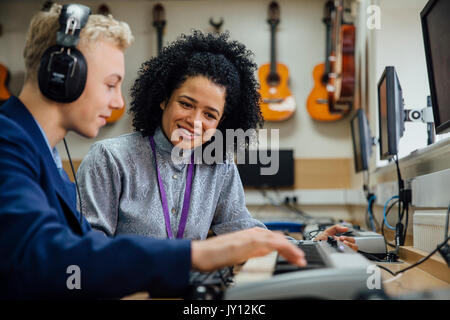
[[41, 235]]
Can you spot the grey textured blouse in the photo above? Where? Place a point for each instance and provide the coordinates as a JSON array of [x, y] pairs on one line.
[[120, 195]]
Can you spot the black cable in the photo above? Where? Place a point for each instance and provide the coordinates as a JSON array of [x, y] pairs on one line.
[[446, 223], [406, 223], [384, 268], [369, 208], [76, 182], [399, 240], [366, 217], [420, 261], [371, 256]]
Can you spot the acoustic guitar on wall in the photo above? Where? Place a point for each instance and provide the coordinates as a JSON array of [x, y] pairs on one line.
[[116, 113], [277, 103], [317, 102]]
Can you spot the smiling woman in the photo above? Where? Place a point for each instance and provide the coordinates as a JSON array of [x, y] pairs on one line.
[[135, 183], [194, 108]]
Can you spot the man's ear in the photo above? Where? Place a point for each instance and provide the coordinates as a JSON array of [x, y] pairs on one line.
[[163, 104]]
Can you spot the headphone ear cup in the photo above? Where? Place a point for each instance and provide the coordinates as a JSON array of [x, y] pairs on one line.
[[65, 78]]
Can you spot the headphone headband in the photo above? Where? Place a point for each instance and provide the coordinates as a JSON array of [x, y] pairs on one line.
[[72, 19]]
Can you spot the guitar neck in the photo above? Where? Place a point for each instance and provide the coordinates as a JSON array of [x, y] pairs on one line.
[[328, 49], [159, 25], [273, 57], [160, 40]]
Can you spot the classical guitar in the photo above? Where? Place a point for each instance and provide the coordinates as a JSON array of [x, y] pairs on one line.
[[341, 79], [317, 102], [4, 79], [116, 114], [277, 101], [159, 23]]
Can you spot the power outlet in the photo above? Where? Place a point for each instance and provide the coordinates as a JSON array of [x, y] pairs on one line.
[[290, 200]]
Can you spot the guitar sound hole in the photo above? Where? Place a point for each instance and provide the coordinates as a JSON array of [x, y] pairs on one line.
[[325, 78], [273, 79]]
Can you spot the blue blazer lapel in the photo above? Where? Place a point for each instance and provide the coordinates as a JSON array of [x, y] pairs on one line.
[[15, 110]]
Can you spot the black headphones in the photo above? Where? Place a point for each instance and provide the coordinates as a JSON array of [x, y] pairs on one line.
[[63, 68]]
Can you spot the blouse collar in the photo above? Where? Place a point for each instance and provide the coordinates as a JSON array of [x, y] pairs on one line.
[[165, 147], [162, 142]]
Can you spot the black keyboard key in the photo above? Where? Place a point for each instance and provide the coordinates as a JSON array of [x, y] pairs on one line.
[[312, 256]]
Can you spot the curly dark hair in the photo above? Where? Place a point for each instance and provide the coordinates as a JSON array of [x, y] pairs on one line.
[[226, 63]]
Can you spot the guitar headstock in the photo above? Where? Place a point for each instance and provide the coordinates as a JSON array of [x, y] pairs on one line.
[[159, 19], [103, 9], [47, 5], [273, 14], [328, 11], [216, 25]]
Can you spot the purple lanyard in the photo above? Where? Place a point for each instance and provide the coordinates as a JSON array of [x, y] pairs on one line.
[[187, 196]]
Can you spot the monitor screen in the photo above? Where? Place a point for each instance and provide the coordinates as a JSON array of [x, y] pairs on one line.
[[362, 141], [390, 113], [436, 35], [251, 172]]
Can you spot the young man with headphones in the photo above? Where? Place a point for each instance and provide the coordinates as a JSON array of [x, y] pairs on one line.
[[74, 71]]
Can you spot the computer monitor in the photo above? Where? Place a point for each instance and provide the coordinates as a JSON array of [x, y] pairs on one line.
[[251, 173], [435, 19], [362, 141], [390, 113]]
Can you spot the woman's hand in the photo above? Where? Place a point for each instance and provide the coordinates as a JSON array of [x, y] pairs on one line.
[[332, 231], [237, 247]]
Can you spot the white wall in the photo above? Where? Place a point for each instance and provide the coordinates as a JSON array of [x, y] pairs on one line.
[[399, 43], [301, 45]]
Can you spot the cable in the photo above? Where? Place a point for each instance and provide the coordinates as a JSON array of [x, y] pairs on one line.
[[400, 189], [406, 223], [76, 182], [370, 213], [371, 256], [384, 212], [405, 200], [272, 202], [384, 268], [382, 224], [446, 223], [420, 261], [292, 208], [286, 208]]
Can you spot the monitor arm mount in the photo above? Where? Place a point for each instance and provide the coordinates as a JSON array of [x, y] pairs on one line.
[[424, 115]]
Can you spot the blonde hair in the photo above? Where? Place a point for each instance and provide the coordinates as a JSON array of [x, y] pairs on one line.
[[44, 25]]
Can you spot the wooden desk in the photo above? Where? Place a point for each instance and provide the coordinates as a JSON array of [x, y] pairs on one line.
[[432, 274]]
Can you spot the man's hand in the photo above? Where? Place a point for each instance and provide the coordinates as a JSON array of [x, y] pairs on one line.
[[237, 247], [331, 231]]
